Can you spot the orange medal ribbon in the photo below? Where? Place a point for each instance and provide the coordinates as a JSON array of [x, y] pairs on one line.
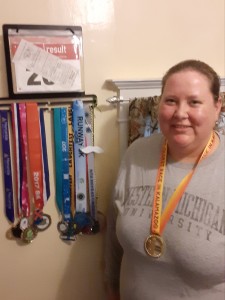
[[154, 243], [35, 157]]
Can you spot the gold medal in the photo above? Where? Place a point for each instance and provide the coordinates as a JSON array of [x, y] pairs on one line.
[[154, 245], [28, 235]]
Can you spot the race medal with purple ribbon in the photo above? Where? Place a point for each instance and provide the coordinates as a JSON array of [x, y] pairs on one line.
[[9, 206]]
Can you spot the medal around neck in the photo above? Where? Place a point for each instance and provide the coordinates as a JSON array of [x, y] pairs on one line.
[[154, 245]]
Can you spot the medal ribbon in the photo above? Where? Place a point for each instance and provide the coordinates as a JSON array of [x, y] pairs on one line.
[[46, 183], [9, 204], [71, 161], [80, 159], [17, 155], [35, 157], [65, 166], [159, 221], [90, 169], [23, 140], [58, 158]]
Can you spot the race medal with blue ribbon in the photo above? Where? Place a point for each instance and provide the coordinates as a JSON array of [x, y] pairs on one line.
[[9, 204], [58, 158], [65, 166], [71, 161], [69, 234]]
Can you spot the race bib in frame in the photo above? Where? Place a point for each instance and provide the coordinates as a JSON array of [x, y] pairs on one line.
[[43, 60]]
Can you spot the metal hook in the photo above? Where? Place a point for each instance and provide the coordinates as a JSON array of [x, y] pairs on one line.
[[115, 99]]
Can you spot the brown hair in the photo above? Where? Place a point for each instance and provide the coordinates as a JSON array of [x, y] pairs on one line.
[[200, 67]]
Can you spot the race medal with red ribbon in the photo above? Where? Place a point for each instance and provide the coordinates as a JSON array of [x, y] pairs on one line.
[[35, 159]]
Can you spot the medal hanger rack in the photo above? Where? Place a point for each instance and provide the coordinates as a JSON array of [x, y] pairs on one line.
[[49, 103], [74, 221]]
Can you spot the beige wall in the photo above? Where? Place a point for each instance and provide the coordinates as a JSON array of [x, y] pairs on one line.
[[123, 39]]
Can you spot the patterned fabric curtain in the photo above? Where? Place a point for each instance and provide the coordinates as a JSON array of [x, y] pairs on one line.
[[143, 117], [220, 125]]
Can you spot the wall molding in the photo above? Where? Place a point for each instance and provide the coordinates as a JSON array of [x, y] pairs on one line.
[[127, 84]]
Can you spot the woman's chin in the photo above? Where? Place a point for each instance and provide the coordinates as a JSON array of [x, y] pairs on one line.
[[181, 141]]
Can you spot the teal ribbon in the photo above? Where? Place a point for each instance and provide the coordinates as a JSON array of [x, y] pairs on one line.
[[58, 158]]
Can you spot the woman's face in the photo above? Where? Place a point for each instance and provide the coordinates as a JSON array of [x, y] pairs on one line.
[[187, 110]]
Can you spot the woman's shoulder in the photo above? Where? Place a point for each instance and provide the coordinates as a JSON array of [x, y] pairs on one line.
[[144, 148], [155, 140]]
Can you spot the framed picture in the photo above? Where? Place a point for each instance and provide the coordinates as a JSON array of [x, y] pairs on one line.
[[44, 61]]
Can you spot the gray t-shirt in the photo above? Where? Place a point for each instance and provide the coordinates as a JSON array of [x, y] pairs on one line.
[[193, 264]]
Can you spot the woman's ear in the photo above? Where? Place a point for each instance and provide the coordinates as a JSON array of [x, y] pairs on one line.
[[219, 105]]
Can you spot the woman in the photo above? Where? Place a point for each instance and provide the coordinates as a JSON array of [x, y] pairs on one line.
[[166, 227]]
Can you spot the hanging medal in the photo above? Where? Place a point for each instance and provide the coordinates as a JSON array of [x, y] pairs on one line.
[[46, 183], [41, 221], [26, 235], [58, 158], [16, 231], [6, 152], [69, 233], [82, 218], [154, 244], [62, 226], [63, 181], [17, 155], [46, 219], [90, 170], [71, 161], [72, 227]]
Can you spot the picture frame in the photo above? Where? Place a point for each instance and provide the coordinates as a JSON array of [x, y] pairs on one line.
[[44, 61]]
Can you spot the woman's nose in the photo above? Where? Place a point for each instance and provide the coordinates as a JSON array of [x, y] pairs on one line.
[[181, 110]]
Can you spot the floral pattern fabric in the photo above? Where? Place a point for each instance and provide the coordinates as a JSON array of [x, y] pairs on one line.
[[143, 119]]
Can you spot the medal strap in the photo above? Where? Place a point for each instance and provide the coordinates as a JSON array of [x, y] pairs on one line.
[[65, 165], [90, 167], [35, 156], [71, 161], [159, 221], [17, 155], [91, 181], [9, 199], [46, 183], [23, 141], [80, 158], [58, 157]]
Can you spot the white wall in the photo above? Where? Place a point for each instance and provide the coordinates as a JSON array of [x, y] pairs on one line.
[[122, 40]]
